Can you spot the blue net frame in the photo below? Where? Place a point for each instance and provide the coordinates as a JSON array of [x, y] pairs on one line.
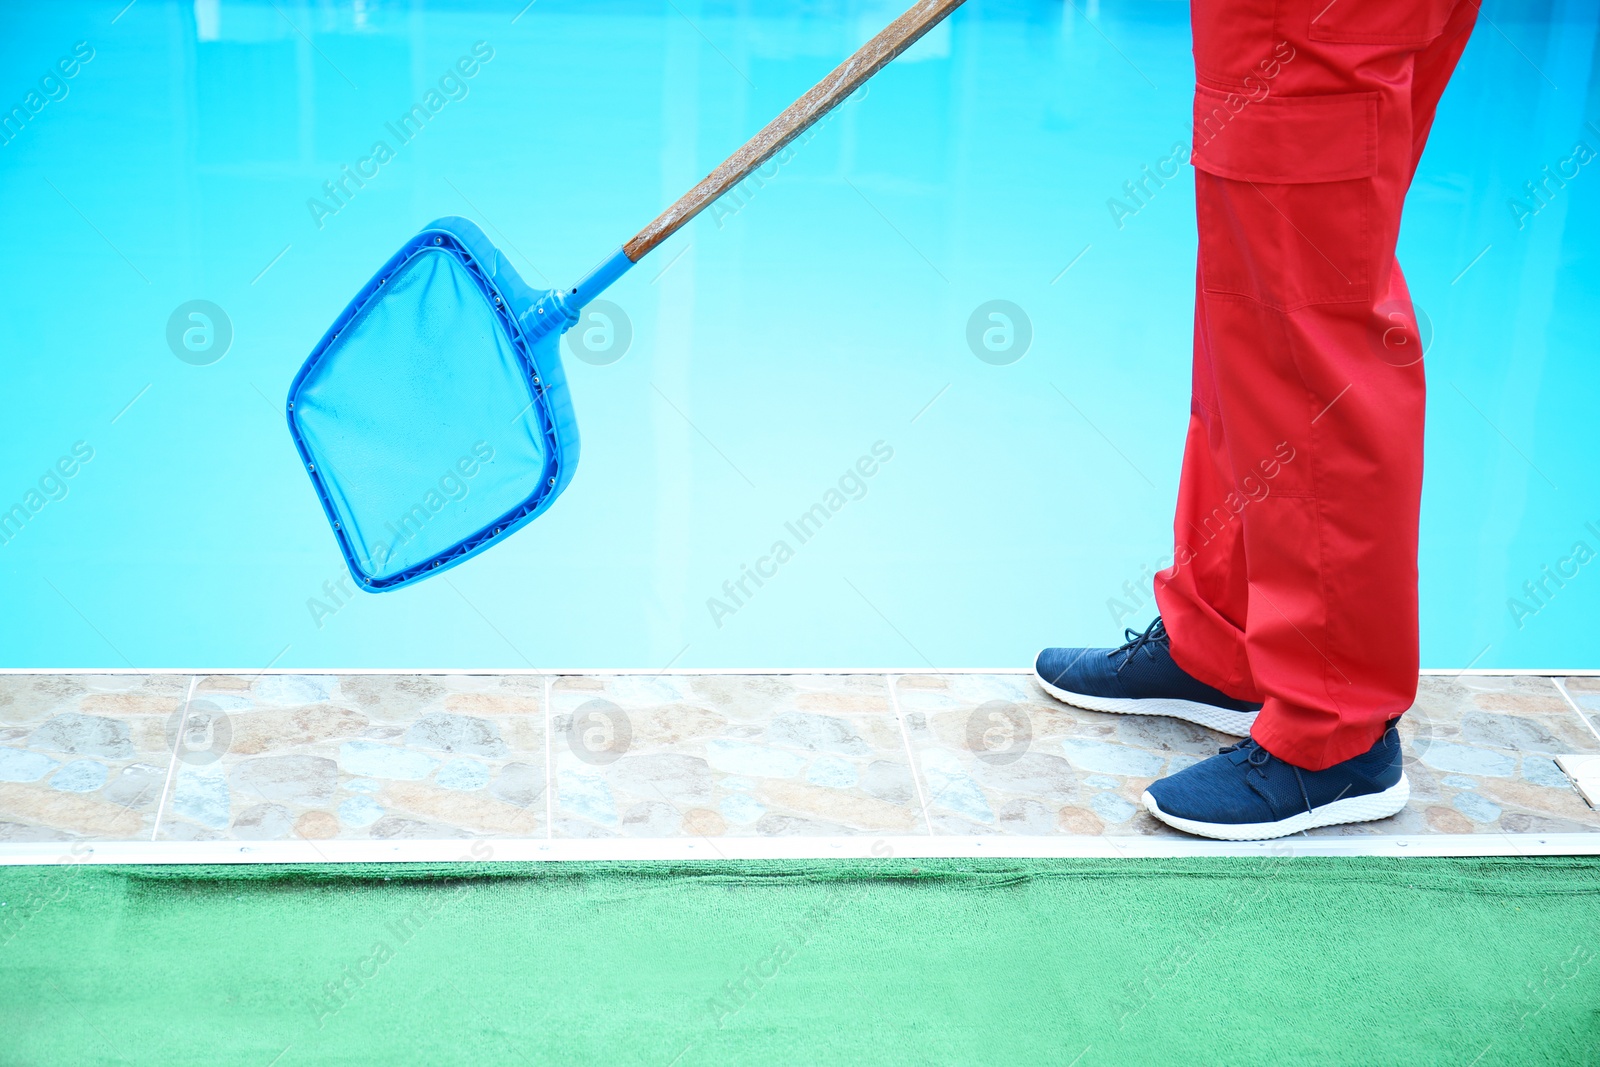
[[511, 302]]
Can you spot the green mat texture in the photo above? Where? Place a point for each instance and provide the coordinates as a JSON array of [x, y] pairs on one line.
[[1276, 960]]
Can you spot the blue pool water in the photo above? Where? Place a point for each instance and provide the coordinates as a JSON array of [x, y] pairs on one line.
[[820, 322]]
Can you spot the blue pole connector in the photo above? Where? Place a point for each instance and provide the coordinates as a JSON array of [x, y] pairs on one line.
[[596, 281], [558, 310]]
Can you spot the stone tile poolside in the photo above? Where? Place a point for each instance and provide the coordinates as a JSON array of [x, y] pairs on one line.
[[335, 758], [719, 755]]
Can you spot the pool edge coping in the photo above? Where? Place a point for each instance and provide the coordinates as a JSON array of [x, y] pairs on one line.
[[862, 847], [680, 672]]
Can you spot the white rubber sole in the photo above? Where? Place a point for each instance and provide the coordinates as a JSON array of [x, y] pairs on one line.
[[1232, 723], [1355, 809]]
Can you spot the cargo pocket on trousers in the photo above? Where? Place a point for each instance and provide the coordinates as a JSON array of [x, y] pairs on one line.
[[1284, 195], [1406, 23]]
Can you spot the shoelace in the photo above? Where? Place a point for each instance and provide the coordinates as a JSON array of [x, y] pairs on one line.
[[1259, 758], [1249, 744], [1154, 634]]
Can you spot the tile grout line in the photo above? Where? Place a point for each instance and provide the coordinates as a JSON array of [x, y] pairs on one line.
[[172, 757], [1523, 756], [549, 779], [1573, 704], [911, 757]]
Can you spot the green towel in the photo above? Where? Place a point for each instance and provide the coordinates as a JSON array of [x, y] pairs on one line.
[[1087, 962]]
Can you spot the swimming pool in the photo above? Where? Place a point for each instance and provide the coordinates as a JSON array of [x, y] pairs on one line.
[[835, 313]]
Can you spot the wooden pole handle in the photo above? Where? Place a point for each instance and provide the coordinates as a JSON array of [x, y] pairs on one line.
[[846, 78]]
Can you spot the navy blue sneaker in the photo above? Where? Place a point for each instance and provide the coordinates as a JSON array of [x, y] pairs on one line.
[[1140, 678], [1245, 793]]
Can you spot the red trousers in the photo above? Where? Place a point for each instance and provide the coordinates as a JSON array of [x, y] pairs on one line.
[[1294, 576]]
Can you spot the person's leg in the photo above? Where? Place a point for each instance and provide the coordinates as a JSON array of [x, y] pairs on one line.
[[1309, 337], [1304, 148], [1202, 596], [1295, 532], [1141, 677]]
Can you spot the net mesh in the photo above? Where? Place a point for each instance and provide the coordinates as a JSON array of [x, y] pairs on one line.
[[420, 418]]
